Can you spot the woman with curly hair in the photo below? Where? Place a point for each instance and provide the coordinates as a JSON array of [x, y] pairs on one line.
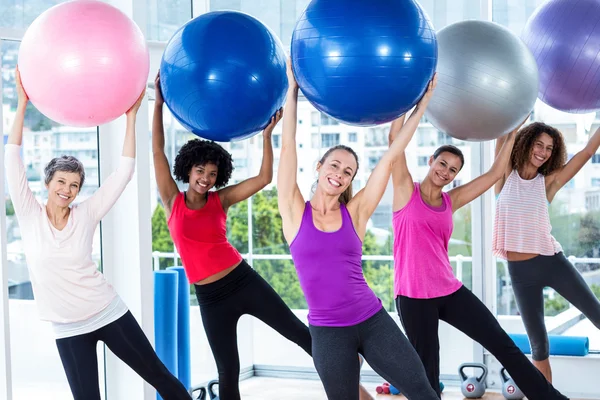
[[522, 230], [226, 286]]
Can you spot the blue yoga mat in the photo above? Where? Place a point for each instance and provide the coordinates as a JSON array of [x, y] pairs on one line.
[[165, 318], [559, 345], [184, 361]]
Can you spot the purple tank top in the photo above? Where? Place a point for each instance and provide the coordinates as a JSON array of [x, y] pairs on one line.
[[329, 268]]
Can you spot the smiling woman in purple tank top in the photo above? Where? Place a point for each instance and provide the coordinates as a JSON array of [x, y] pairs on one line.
[[325, 235], [425, 286]]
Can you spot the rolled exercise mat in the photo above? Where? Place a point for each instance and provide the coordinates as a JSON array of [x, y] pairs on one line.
[[184, 361], [165, 318], [559, 345]]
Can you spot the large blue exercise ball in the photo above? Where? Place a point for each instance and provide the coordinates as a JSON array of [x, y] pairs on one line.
[[223, 75], [364, 62]]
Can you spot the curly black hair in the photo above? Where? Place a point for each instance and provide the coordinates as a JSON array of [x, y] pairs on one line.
[[524, 144], [202, 152]]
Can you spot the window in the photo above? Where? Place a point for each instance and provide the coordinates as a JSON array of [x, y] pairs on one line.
[[31, 338], [573, 213], [330, 139], [19, 14], [165, 17], [352, 137], [276, 141], [422, 161]]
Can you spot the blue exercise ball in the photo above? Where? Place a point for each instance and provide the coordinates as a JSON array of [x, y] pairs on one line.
[[223, 75], [364, 62]]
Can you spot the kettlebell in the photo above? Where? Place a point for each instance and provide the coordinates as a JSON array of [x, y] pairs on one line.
[[510, 390], [201, 392], [472, 387], [211, 392]]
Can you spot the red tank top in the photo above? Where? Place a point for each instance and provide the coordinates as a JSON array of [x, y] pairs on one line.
[[201, 238]]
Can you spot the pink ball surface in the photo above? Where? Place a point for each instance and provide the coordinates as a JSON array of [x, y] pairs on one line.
[[83, 63]]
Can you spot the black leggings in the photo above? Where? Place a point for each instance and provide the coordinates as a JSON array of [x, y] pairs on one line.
[[530, 277], [222, 303], [384, 347], [126, 340], [463, 310]]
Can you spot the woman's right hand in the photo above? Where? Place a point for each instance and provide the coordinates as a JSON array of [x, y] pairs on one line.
[[159, 101], [22, 95], [422, 104], [290, 75]]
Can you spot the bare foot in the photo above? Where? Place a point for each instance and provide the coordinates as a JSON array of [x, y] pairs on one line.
[[364, 394]]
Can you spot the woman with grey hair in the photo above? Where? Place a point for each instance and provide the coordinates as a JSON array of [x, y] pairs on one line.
[[70, 291]]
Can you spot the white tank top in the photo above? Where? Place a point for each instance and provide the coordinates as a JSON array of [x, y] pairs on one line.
[[522, 222]]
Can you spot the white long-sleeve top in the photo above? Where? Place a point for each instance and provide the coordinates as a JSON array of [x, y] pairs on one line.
[[66, 282]]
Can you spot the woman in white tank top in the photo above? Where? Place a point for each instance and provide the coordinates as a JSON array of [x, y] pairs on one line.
[[522, 230]]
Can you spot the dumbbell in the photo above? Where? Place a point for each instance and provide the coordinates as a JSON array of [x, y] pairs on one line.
[[383, 389], [200, 391], [510, 390], [473, 387]]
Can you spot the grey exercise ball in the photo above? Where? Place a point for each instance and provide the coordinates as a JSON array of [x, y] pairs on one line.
[[487, 81]]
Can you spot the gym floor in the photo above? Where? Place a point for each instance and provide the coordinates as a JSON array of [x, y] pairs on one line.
[[260, 388]]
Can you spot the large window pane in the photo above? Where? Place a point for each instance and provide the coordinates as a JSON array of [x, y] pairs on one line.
[[574, 212], [43, 140], [165, 17], [19, 14]]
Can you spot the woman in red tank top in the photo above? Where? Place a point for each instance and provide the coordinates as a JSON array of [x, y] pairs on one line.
[[226, 286]]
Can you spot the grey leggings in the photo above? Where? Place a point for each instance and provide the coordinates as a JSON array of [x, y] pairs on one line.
[[529, 278], [384, 347]]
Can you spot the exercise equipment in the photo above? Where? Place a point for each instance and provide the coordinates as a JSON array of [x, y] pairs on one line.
[[83, 63], [211, 392], [487, 81], [223, 75], [165, 318], [198, 392], [473, 387], [387, 388], [559, 345], [564, 37], [366, 63], [510, 390], [184, 361]]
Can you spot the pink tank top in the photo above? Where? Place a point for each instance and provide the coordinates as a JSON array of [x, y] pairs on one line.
[[522, 221], [422, 268]]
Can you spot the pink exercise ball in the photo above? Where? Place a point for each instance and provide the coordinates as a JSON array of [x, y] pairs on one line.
[[83, 63]]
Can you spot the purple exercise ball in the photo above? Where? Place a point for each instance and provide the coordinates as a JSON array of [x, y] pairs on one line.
[[564, 37]]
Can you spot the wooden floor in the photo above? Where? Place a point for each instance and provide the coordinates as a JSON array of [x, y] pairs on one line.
[[291, 389]]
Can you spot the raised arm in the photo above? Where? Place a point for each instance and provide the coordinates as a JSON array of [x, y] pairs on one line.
[[401, 179], [16, 134], [558, 179], [23, 200], [108, 193], [289, 198], [366, 200], [466, 193], [235, 193], [500, 182], [167, 187]]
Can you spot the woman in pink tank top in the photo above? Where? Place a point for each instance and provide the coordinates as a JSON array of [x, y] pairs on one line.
[[426, 289], [522, 231]]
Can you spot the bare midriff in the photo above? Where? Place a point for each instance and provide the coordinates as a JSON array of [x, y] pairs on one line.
[[217, 276]]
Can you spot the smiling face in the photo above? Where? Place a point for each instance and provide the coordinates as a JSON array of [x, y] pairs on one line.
[[444, 168], [336, 172], [541, 151], [63, 188], [203, 177]]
